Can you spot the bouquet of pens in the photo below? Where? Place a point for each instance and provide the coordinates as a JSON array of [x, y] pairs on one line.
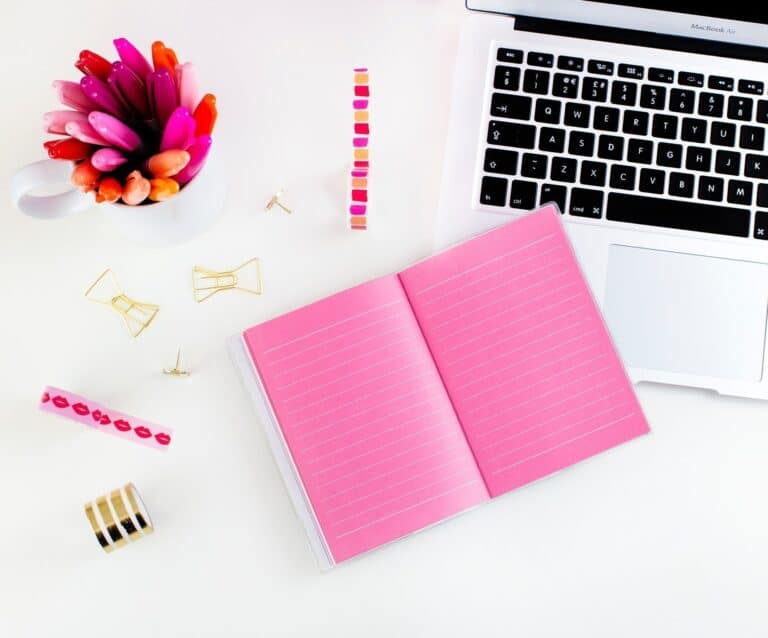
[[137, 132]]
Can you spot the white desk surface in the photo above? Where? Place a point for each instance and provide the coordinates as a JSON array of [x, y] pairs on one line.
[[665, 536]]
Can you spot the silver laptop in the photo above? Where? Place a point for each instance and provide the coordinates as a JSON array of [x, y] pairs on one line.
[[646, 123]]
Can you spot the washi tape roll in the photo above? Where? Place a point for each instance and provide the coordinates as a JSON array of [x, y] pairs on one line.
[[118, 518], [358, 206], [94, 415]]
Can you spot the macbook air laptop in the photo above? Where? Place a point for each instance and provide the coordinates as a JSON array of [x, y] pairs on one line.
[[646, 123]]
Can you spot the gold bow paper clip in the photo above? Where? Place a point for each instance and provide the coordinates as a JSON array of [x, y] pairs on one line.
[[246, 277], [136, 315]]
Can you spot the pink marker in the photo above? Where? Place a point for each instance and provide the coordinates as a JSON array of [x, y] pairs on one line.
[[71, 94], [85, 132], [114, 131]]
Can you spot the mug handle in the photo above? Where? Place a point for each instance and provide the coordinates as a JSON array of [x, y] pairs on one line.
[[47, 173]]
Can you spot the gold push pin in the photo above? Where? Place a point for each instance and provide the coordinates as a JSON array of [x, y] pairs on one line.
[[176, 371], [136, 315], [246, 277], [275, 201]]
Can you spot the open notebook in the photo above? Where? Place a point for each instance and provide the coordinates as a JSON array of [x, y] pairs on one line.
[[408, 399]]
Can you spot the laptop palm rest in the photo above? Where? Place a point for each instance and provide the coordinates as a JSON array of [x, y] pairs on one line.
[[689, 314]]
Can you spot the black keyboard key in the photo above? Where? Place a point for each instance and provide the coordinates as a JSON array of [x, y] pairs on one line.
[[653, 97], [661, 75], [522, 194], [563, 169], [514, 107], [711, 104], [493, 191], [682, 100], [640, 151], [624, 93], [720, 83], [622, 177], [751, 86], [586, 202], [686, 78], [600, 67], [553, 193], [577, 114], [541, 59], [756, 166], [723, 134], [664, 126], [567, 63], [566, 85], [635, 123], [693, 130], [533, 165], [593, 173], [594, 89], [711, 188], [512, 56], [652, 211], [631, 71], [740, 108], [606, 118], [581, 143], [762, 111], [681, 184], [547, 111], [752, 138], [698, 159], [610, 147], [536, 82], [511, 134], [740, 192], [500, 161], [506, 78], [761, 225], [727, 162], [552, 140], [652, 181], [762, 195], [670, 155]]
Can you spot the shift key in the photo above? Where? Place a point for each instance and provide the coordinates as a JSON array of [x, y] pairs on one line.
[[511, 134]]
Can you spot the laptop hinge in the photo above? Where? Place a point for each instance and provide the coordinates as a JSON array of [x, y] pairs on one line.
[[641, 38]]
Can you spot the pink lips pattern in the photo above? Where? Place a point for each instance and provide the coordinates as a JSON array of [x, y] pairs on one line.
[[122, 425]]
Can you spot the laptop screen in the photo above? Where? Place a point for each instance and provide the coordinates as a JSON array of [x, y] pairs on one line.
[[745, 11]]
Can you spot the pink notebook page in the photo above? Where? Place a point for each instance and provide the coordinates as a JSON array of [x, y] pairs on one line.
[[523, 351], [366, 417]]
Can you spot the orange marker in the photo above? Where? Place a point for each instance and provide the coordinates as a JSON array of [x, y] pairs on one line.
[[85, 176], [163, 57], [110, 190], [136, 188], [162, 188], [205, 115], [167, 163]]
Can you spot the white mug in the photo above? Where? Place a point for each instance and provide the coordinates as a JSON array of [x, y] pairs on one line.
[[190, 212]]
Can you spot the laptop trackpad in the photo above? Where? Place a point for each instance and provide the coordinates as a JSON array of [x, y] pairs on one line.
[[687, 313]]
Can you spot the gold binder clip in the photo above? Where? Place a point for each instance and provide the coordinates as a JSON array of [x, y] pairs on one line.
[[207, 283], [176, 371], [275, 201], [136, 315]]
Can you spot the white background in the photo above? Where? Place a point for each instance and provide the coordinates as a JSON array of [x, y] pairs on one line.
[[665, 536]]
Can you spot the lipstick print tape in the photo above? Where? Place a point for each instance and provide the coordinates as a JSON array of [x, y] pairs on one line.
[[99, 417], [118, 518], [357, 189]]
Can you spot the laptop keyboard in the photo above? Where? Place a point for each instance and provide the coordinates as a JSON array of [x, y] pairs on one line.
[[625, 143]]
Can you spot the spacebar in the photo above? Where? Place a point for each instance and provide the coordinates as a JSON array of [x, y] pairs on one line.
[[653, 211]]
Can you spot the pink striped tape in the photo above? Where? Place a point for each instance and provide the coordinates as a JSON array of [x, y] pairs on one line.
[[94, 415]]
